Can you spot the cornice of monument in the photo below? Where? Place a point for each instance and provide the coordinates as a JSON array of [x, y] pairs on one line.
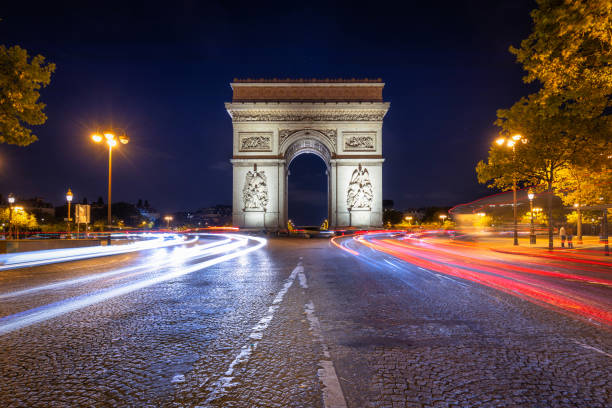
[[306, 111]]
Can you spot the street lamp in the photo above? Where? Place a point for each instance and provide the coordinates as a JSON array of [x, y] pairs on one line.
[[168, 219], [511, 143], [409, 219], [69, 199], [11, 200], [443, 218], [578, 223], [532, 236], [111, 141]]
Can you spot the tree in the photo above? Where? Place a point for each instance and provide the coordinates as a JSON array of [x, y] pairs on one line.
[[567, 122], [584, 186], [569, 51], [392, 216], [20, 218], [21, 77], [555, 139]]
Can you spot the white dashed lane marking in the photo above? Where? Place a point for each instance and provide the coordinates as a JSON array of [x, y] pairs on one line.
[[225, 381]]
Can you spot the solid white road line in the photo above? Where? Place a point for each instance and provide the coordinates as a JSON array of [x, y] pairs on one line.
[[332, 392]]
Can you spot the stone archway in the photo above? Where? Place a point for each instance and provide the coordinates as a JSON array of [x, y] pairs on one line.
[[306, 141], [276, 121]]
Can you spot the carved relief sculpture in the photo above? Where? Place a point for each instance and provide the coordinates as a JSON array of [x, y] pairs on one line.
[[330, 134], [359, 141], [360, 192], [255, 191], [255, 141]]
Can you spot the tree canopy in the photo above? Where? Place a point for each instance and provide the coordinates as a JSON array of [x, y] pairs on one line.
[[566, 125], [21, 78]]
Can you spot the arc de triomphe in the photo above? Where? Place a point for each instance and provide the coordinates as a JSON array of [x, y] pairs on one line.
[[275, 121]]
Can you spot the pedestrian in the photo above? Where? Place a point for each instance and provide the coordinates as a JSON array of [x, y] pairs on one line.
[[562, 236], [569, 232]]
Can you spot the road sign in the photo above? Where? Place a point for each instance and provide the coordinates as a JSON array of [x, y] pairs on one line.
[[82, 213]]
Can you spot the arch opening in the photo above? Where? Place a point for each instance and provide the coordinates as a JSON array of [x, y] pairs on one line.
[[307, 189]]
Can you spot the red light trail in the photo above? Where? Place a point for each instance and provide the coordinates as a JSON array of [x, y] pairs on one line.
[[557, 284]]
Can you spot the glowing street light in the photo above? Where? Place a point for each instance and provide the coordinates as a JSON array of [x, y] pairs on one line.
[[69, 199], [578, 223], [532, 236], [111, 141], [168, 218], [510, 142], [409, 219], [443, 218], [11, 200]]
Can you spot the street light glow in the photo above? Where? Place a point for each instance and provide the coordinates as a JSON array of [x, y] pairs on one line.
[[530, 194], [69, 195], [111, 142], [500, 141], [517, 137], [96, 138], [11, 199]]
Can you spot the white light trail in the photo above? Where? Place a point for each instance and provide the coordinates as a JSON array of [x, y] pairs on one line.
[[37, 258], [43, 313], [195, 252]]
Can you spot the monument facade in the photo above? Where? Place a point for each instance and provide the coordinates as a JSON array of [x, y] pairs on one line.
[[274, 121]]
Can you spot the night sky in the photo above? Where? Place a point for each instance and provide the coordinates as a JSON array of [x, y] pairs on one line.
[[162, 72]]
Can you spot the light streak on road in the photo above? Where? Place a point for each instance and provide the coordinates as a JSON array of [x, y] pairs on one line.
[[46, 312], [343, 247], [195, 252], [530, 281], [37, 258]]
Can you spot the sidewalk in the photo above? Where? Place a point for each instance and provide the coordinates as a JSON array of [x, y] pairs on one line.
[[590, 251]]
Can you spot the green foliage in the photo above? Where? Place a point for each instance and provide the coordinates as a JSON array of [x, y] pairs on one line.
[[21, 77], [393, 217], [570, 49], [20, 218], [585, 186]]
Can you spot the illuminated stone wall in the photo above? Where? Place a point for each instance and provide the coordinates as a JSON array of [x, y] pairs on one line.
[[268, 134]]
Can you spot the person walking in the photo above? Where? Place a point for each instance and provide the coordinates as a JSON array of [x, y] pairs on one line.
[[569, 233], [562, 236]]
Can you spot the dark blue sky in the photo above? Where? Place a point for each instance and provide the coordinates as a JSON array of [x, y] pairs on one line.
[[162, 72]]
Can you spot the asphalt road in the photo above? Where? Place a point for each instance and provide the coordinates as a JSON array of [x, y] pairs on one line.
[[298, 323]]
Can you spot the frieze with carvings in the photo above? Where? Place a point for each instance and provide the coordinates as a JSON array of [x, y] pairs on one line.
[[255, 142], [329, 134], [253, 116], [359, 141]]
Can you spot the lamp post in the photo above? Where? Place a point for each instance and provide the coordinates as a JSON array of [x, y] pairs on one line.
[[111, 141], [69, 199], [511, 143], [168, 219], [443, 218], [11, 200], [409, 219], [532, 236], [578, 223]]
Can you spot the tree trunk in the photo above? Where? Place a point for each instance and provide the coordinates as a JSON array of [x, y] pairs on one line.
[[550, 219]]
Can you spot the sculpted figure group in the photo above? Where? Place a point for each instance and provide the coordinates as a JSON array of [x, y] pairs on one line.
[[360, 191], [255, 191]]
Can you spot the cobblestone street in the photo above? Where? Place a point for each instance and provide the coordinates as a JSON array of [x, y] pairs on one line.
[[298, 323]]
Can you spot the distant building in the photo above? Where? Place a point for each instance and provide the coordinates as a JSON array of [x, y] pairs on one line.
[[218, 215], [37, 206]]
